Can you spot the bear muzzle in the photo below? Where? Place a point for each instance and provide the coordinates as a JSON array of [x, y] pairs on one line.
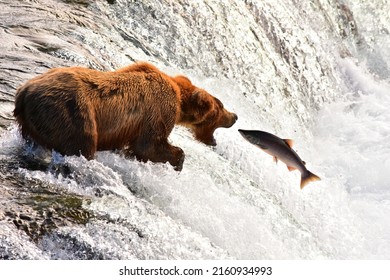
[[229, 120], [205, 134]]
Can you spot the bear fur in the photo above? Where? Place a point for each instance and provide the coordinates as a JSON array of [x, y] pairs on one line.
[[77, 110]]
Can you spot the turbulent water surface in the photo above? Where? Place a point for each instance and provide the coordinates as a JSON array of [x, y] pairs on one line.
[[315, 71]]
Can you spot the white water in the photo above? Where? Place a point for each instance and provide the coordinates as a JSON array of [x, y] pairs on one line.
[[352, 138], [237, 198], [233, 201]]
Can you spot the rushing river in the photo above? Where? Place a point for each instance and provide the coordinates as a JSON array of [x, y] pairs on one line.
[[314, 71]]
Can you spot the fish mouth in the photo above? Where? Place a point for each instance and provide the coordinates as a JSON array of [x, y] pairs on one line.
[[246, 135]]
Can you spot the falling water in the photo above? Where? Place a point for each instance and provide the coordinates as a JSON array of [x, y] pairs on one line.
[[314, 71]]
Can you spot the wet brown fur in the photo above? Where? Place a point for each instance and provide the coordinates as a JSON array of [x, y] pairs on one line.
[[77, 111]]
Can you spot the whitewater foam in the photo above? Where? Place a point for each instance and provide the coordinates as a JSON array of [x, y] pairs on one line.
[[352, 137]]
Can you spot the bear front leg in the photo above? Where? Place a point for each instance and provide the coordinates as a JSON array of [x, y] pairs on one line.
[[160, 152], [172, 154]]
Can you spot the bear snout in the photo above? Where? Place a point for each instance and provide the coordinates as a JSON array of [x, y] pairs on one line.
[[229, 120]]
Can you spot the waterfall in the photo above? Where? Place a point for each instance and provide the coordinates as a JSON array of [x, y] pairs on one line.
[[313, 71]]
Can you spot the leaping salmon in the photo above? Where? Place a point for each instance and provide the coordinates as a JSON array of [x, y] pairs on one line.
[[280, 149]]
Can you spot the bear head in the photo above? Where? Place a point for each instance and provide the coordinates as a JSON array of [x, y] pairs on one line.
[[201, 112]]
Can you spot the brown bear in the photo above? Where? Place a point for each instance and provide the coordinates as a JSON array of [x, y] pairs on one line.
[[77, 110]]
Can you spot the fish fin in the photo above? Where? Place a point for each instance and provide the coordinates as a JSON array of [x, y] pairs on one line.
[[289, 142], [291, 168], [276, 160], [304, 162], [308, 177]]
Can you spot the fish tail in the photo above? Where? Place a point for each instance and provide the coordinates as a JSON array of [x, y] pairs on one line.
[[308, 177]]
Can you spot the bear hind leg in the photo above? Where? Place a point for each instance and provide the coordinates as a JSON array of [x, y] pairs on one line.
[[85, 145]]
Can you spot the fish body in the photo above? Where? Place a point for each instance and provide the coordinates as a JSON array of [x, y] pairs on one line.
[[280, 149]]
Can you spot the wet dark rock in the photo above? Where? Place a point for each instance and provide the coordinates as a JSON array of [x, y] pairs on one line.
[[38, 208]]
